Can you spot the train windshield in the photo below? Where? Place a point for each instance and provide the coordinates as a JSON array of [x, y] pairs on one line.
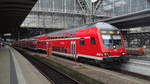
[[112, 39]]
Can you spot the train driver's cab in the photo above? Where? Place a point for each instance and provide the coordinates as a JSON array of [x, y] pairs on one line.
[[111, 39], [110, 36]]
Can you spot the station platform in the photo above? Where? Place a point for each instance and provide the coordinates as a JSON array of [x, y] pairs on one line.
[[86, 74], [15, 69]]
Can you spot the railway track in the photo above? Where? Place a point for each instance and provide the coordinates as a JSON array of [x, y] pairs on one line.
[[52, 75], [125, 68], [121, 69]]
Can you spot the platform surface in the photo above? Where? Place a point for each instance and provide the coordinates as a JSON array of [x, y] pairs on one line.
[[4, 66], [15, 69]]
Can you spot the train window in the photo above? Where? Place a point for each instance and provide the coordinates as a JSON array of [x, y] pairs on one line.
[[62, 49], [65, 49], [93, 40], [59, 49], [49, 37], [71, 35], [53, 48], [74, 34], [82, 41], [66, 36]]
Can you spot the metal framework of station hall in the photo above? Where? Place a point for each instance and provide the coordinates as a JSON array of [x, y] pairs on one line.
[[68, 13]]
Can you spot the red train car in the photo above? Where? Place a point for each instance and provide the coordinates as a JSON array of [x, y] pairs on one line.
[[26, 43], [41, 42], [100, 41], [35, 43]]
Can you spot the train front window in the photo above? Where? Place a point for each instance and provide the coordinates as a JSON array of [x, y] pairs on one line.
[[107, 40], [117, 41], [112, 40]]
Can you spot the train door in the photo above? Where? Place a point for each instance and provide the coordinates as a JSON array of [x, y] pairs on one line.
[[73, 48]]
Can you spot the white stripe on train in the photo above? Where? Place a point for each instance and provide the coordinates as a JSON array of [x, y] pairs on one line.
[[67, 38], [79, 55]]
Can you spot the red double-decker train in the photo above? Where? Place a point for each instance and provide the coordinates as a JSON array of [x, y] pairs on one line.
[[100, 42]]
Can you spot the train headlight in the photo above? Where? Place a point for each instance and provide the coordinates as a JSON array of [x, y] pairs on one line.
[[99, 54], [106, 53], [123, 53]]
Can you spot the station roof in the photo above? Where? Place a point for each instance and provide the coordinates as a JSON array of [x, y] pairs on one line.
[[141, 18], [13, 13]]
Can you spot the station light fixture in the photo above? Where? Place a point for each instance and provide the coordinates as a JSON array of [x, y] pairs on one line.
[[7, 34], [93, 1]]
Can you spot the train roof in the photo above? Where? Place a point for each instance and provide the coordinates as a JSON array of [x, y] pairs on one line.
[[105, 26], [100, 25]]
